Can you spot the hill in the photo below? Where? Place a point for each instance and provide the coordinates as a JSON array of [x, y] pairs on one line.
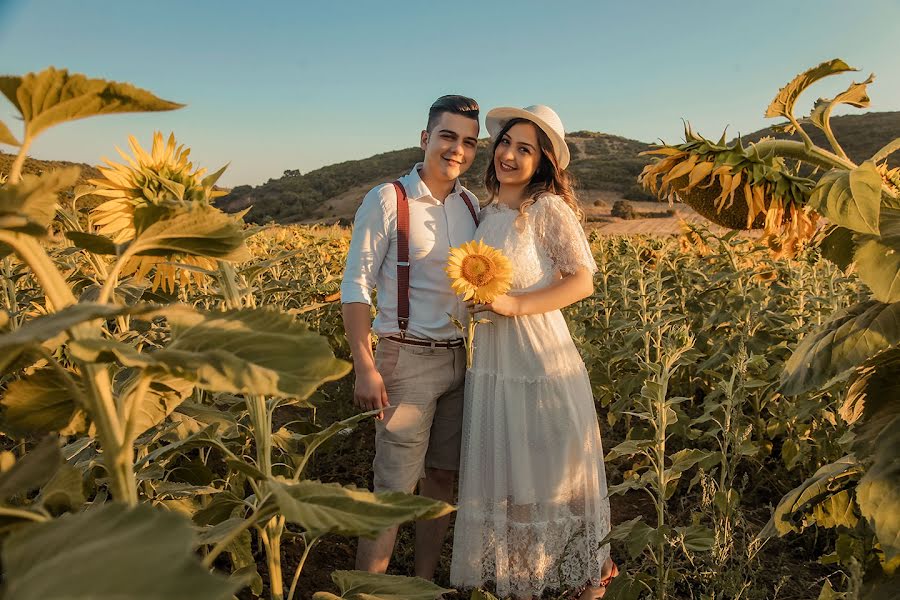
[[600, 162], [36, 167], [605, 167]]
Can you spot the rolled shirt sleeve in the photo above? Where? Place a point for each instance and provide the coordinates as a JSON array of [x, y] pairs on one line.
[[368, 247]]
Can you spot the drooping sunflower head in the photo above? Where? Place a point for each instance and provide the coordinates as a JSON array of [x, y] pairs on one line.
[[734, 187], [163, 178], [478, 271], [156, 184]]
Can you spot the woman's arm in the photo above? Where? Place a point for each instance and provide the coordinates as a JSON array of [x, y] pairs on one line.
[[559, 294]]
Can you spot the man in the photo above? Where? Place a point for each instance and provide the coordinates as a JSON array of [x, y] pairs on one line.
[[418, 371]]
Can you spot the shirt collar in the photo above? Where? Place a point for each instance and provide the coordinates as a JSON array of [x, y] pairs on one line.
[[416, 188]]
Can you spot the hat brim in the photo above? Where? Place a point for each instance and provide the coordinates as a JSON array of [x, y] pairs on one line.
[[498, 117]]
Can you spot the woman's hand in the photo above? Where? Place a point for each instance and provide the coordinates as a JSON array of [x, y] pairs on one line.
[[506, 305]]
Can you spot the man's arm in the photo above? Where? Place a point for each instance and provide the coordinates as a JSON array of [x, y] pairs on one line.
[[368, 247], [368, 391]]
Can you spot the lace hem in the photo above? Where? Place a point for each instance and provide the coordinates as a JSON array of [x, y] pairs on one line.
[[528, 558]]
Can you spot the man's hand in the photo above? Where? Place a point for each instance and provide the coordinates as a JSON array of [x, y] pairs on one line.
[[369, 393]]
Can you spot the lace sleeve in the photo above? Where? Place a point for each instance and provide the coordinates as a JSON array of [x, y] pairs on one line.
[[558, 231]]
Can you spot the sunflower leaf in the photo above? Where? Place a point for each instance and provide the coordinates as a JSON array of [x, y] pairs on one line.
[[878, 257], [6, 136], [53, 96], [41, 403], [851, 199], [847, 340], [250, 351], [855, 95], [332, 508], [377, 586], [783, 103], [30, 205], [111, 552], [199, 231]]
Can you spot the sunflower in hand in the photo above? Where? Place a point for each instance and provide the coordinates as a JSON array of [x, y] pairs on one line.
[[479, 273]]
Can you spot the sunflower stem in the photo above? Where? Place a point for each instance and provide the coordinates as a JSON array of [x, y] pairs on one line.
[[15, 171], [799, 151]]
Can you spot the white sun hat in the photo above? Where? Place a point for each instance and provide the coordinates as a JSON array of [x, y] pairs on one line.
[[542, 116]]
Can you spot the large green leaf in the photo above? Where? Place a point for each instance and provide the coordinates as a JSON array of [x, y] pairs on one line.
[[64, 492], [360, 585], [6, 136], [873, 403], [636, 535], [878, 258], [851, 199], [783, 103], [52, 326], [198, 231], [697, 538], [250, 351], [847, 340], [30, 205], [855, 95], [109, 553], [837, 245], [41, 402], [164, 395], [53, 96], [822, 499], [878, 492], [878, 266], [33, 470], [331, 508]]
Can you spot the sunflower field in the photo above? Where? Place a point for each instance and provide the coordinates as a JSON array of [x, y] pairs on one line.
[[176, 399]]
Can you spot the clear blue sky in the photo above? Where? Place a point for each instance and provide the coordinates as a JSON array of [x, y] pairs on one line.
[[297, 85]]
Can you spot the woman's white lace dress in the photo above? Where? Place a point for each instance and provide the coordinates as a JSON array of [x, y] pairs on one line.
[[533, 503]]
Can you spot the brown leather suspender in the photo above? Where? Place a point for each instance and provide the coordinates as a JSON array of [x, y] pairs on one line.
[[403, 252]]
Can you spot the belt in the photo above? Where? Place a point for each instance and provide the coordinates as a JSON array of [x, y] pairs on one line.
[[428, 343]]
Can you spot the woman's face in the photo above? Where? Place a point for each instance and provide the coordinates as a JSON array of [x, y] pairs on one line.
[[518, 155]]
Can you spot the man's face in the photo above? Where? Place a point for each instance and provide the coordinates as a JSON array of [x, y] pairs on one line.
[[450, 146]]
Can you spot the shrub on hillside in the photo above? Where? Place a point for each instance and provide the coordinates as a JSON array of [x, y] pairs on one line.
[[623, 210]]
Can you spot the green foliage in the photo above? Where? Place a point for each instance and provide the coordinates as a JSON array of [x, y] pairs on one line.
[[170, 398], [109, 553], [359, 585], [331, 508], [843, 342], [850, 199]]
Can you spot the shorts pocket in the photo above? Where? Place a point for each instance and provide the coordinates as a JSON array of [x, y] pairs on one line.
[[387, 355]]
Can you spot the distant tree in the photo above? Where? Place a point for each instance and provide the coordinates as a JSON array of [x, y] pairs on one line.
[[623, 210]]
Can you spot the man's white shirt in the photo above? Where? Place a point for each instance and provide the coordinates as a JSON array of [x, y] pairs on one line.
[[434, 227]]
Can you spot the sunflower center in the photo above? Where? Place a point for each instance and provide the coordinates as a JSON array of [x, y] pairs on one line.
[[477, 270]]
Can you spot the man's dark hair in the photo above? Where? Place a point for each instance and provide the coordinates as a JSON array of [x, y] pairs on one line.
[[458, 105]]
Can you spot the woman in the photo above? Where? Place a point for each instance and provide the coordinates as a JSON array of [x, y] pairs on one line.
[[533, 503]]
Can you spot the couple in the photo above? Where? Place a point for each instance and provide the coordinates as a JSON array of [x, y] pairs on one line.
[[520, 426]]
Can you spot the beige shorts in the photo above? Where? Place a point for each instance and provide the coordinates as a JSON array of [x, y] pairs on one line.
[[424, 428]]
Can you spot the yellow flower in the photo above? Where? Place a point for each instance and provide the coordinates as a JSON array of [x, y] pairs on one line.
[[479, 271], [148, 188]]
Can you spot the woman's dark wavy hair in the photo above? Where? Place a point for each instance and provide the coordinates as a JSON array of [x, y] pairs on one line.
[[547, 179]]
